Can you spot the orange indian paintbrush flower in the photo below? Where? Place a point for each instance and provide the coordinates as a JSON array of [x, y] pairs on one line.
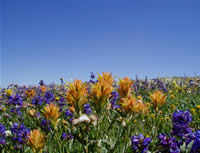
[[103, 88], [30, 93], [51, 112], [36, 141], [158, 98], [131, 104], [77, 94], [128, 103], [125, 87]]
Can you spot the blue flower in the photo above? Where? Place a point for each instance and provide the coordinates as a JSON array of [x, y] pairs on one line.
[[168, 144], [65, 136], [87, 109], [38, 100], [140, 143], [2, 134], [180, 121], [46, 125], [20, 133], [16, 100]]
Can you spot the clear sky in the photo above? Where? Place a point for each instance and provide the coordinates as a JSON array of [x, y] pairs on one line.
[[49, 39]]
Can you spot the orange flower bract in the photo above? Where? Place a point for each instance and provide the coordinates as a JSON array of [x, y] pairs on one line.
[[158, 98], [125, 87], [77, 94], [103, 88], [36, 141], [51, 112]]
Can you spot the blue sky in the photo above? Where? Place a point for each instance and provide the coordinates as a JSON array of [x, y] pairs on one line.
[[49, 39]]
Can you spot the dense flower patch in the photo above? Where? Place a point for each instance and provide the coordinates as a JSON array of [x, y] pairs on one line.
[[104, 114]]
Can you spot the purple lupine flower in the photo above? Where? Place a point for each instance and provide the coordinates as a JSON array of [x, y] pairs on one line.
[[180, 122], [49, 97], [61, 102], [41, 83], [92, 75], [87, 109], [46, 125], [37, 100], [69, 114], [16, 111], [140, 144], [2, 134], [168, 144], [20, 133], [196, 143], [65, 136], [16, 100], [114, 98]]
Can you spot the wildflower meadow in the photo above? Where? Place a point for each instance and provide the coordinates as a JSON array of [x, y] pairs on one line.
[[106, 114]]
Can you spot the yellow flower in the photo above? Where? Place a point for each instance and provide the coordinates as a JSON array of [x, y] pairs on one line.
[[9, 92], [101, 91], [158, 98], [139, 97], [193, 111], [167, 118], [153, 116], [57, 98], [77, 94], [125, 87], [173, 107], [51, 112], [172, 96], [36, 141], [198, 106]]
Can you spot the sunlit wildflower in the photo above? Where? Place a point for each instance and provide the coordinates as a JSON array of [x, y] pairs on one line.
[[30, 93], [153, 116], [139, 97], [36, 141], [125, 87], [51, 112], [9, 92], [102, 90], [131, 104], [193, 111], [198, 106], [140, 143], [57, 98], [32, 112], [158, 98], [173, 106], [77, 94], [128, 104], [43, 89]]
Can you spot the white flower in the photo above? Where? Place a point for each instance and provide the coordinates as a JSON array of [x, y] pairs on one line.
[[8, 133], [84, 118]]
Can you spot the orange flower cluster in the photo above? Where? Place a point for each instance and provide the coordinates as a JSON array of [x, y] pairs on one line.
[[36, 141], [77, 94], [128, 102], [51, 112], [125, 87], [102, 89], [131, 104], [43, 89], [30, 93], [158, 98]]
